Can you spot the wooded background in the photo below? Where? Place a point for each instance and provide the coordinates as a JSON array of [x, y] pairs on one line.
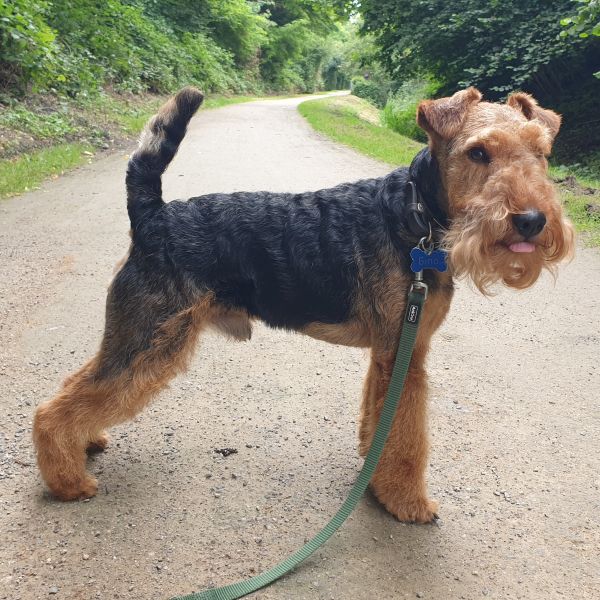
[[394, 51]]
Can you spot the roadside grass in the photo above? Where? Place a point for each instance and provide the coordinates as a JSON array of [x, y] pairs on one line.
[[27, 171], [133, 120], [584, 216], [349, 120], [129, 115], [342, 119], [581, 197], [43, 126]]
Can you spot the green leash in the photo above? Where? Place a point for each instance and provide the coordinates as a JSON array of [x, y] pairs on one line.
[[416, 300]]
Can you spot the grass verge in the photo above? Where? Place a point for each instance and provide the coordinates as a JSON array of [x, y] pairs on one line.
[[27, 171], [581, 197], [220, 101], [350, 120]]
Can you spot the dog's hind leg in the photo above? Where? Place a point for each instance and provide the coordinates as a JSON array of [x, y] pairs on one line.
[[149, 337]]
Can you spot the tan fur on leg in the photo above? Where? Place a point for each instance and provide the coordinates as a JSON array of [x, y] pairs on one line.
[[399, 481], [375, 386]]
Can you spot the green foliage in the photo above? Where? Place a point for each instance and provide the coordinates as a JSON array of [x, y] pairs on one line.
[[361, 65], [285, 47], [496, 45], [235, 25], [499, 46], [351, 55], [76, 47], [239, 28], [43, 126], [300, 52], [28, 48], [401, 107], [586, 22], [321, 14], [373, 91], [112, 42]]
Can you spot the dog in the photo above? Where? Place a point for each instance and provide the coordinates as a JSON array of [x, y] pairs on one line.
[[332, 264]]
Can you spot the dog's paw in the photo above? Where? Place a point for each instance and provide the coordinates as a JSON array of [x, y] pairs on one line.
[[420, 510], [79, 490], [98, 444]]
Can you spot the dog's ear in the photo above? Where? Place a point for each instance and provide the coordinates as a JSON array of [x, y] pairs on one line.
[[529, 107], [443, 118]]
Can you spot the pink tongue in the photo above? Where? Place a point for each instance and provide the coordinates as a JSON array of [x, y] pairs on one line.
[[522, 247]]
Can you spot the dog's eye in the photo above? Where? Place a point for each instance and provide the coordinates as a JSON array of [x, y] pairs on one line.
[[478, 155]]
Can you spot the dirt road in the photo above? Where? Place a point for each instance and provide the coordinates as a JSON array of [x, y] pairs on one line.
[[515, 416]]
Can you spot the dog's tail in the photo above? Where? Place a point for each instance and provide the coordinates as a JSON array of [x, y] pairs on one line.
[[158, 145]]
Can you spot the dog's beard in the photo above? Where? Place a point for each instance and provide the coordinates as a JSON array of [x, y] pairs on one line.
[[478, 247]]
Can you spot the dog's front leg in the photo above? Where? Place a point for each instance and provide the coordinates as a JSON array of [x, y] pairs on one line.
[[399, 481]]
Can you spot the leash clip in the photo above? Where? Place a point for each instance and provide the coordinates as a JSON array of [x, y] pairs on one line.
[[418, 285], [415, 304]]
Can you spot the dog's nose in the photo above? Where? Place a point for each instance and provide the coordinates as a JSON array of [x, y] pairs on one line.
[[529, 224]]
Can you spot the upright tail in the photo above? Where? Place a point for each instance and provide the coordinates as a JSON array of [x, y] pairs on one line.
[[158, 145]]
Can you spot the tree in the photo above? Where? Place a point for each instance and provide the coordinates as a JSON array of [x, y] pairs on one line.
[[78, 46], [497, 45], [296, 50]]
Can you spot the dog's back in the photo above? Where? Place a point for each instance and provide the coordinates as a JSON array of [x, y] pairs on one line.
[[288, 259]]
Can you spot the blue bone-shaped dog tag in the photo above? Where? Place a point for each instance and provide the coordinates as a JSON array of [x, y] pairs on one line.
[[423, 260]]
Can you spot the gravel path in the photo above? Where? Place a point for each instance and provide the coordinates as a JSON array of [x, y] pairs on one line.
[[514, 416]]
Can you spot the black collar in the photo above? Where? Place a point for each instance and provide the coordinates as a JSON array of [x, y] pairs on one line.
[[424, 212]]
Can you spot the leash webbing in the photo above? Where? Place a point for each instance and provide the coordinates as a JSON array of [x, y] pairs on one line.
[[416, 299]]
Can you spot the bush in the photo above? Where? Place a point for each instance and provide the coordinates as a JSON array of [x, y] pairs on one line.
[[399, 113], [28, 48], [44, 126], [375, 92]]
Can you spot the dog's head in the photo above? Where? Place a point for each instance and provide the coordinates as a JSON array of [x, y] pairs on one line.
[[506, 222]]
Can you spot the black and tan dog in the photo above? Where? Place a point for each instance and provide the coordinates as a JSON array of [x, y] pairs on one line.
[[333, 264]]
